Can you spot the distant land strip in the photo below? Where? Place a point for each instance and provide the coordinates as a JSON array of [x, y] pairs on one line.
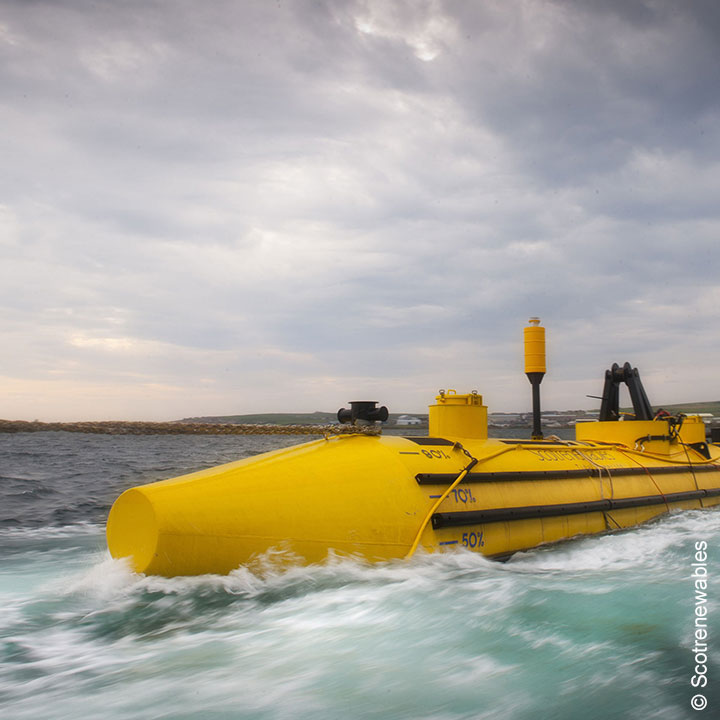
[[316, 423], [120, 427]]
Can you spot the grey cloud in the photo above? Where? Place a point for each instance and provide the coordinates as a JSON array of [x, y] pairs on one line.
[[338, 194], [604, 78]]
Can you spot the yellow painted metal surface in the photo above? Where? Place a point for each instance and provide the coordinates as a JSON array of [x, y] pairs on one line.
[[462, 416], [635, 432], [358, 495]]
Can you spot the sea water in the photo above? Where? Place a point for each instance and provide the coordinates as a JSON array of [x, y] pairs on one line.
[[595, 627]]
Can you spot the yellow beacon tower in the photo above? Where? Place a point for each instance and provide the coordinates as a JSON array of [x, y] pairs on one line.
[[535, 368]]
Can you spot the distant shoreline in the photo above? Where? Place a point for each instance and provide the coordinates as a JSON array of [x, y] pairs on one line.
[[110, 427], [312, 423]]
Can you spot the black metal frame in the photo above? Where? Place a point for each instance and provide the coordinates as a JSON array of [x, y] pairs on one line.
[[610, 407]]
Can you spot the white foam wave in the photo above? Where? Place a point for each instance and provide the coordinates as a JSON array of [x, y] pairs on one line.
[[279, 574], [656, 544]]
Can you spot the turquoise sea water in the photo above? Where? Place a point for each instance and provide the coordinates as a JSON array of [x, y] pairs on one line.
[[598, 627]]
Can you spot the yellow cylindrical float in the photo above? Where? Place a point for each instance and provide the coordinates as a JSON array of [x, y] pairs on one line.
[[458, 415], [535, 347]]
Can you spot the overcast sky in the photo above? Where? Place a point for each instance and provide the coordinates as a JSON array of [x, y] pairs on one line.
[[250, 205]]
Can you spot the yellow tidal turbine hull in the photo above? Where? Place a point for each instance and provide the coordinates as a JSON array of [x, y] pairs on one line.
[[373, 496]]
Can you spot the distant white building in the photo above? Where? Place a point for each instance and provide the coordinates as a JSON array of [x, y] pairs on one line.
[[505, 419], [408, 420]]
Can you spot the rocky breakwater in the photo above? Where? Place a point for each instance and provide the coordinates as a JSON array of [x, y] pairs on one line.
[[124, 427]]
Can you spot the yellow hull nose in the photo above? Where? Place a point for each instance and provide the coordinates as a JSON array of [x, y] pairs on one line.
[[352, 494]]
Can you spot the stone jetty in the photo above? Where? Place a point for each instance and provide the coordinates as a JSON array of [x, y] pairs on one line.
[[122, 427]]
